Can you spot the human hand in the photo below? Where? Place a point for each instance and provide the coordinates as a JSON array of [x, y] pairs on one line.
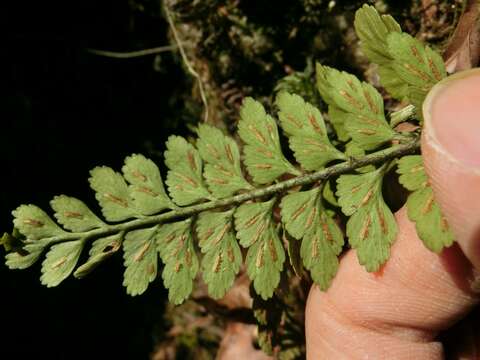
[[399, 312]]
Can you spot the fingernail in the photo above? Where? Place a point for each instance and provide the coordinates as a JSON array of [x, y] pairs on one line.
[[454, 103]]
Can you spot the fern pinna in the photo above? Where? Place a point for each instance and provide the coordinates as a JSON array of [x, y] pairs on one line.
[[226, 206]]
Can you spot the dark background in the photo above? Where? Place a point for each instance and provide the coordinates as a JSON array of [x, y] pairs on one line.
[[64, 111]]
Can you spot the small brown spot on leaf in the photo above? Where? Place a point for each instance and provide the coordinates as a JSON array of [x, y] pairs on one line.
[[444, 224], [259, 259], [365, 228], [259, 232], [117, 200], [416, 54], [381, 218], [57, 264], [230, 254], [434, 70], [73, 214], [299, 211], [218, 181], [146, 190], [427, 207], [416, 72], [228, 151], [367, 197], [294, 121], [257, 134], [212, 150], [315, 246], [416, 168], [222, 233], [311, 217], [371, 103], [265, 152], [217, 263], [314, 124], [139, 175], [326, 231], [141, 253], [366, 131], [273, 251], [33, 222], [178, 266], [191, 160], [354, 102]]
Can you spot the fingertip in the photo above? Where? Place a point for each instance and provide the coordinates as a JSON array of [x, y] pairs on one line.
[[451, 153]]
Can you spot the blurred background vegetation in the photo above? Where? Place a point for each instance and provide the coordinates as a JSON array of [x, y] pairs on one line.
[[65, 108]]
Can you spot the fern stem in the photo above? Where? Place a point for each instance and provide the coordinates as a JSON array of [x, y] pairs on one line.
[[402, 115], [321, 175]]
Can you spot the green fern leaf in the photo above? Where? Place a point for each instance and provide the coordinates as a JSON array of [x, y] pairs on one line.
[[26, 257], [394, 85], [74, 215], [265, 256], [431, 225], [416, 64], [320, 248], [307, 133], [223, 257], [412, 173], [263, 155], [338, 118], [373, 30], [34, 223], [184, 179], [146, 187], [60, 262], [299, 211], [140, 260], [223, 172], [101, 250], [371, 229], [251, 220], [304, 217], [112, 194], [363, 117], [175, 245]]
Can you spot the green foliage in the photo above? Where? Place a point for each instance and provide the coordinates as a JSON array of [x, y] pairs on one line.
[[146, 186], [213, 207], [60, 262], [263, 155], [101, 250], [140, 259], [407, 68], [112, 194], [431, 226], [304, 125], [223, 256], [358, 107], [74, 215], [223, 172], [321, 245], [184, 179], [175, 245], [371, 228], [373, 30]]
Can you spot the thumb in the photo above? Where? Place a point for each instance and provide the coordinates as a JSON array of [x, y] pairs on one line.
[[451, 152]]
